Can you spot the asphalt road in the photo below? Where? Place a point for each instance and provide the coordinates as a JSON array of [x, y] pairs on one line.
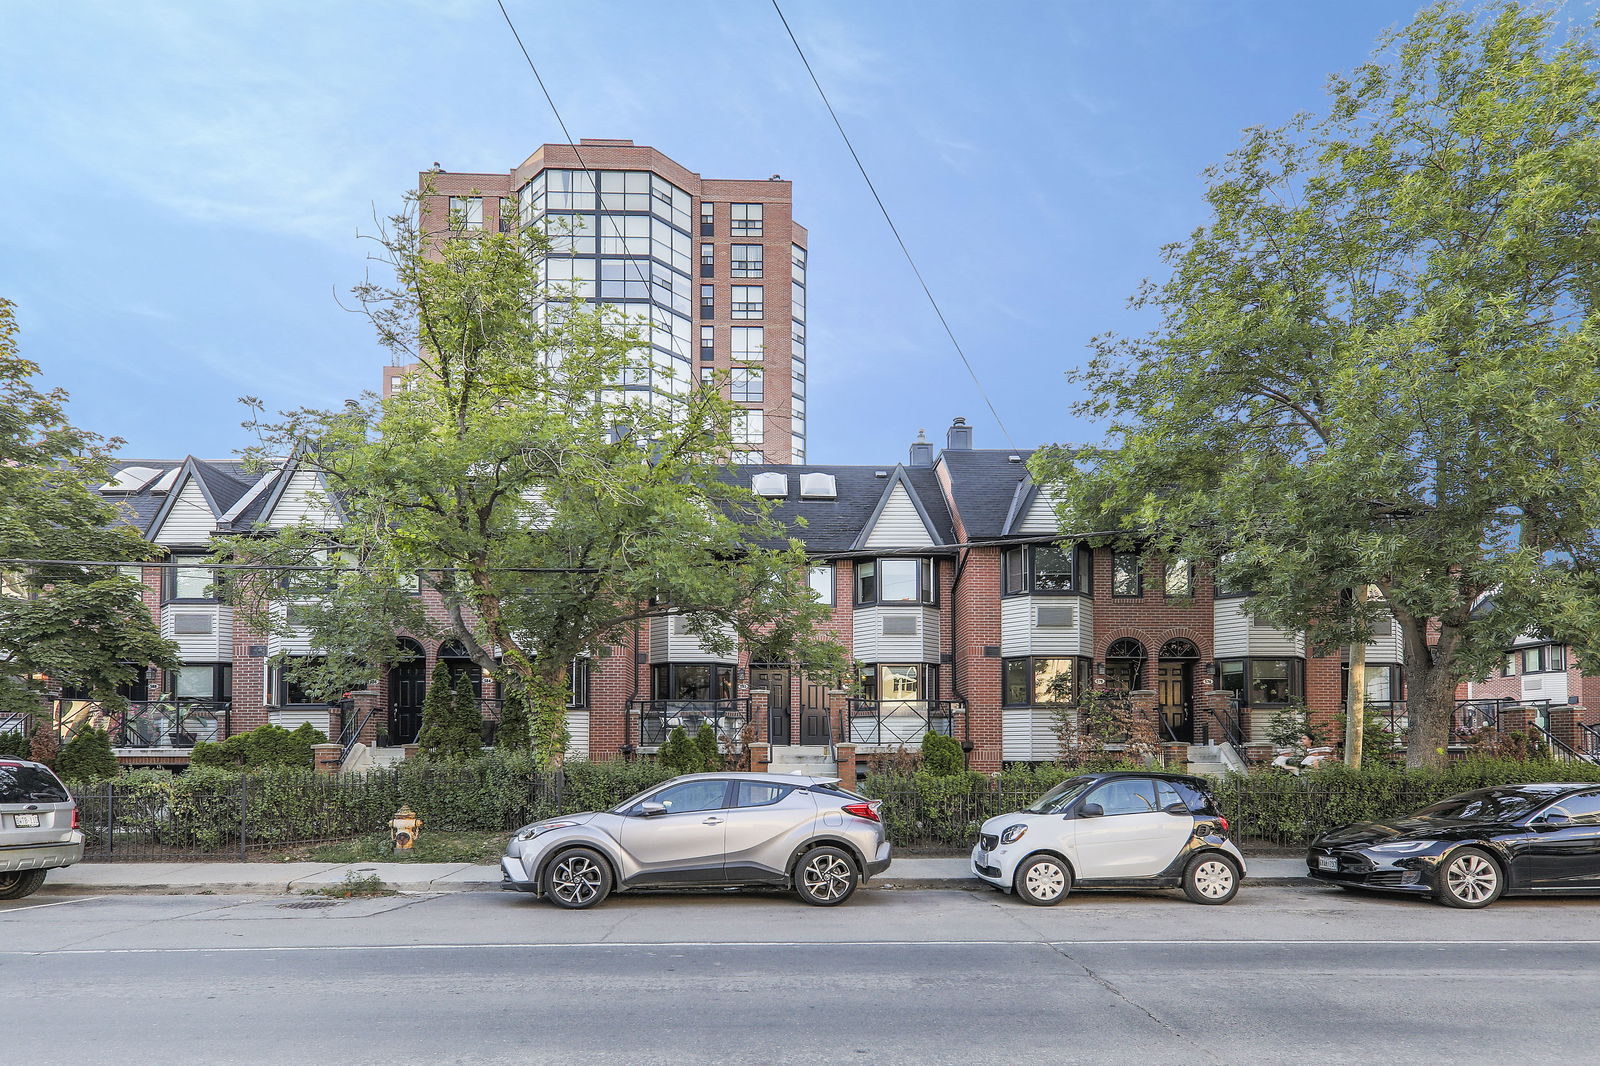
[[1290, 975]]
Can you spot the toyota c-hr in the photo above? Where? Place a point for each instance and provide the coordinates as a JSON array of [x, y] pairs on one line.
[[706, 830], [1127, 829]]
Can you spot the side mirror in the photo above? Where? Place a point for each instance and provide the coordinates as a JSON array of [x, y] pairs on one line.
[[1556, 820], [1091, 810], [652, 810]]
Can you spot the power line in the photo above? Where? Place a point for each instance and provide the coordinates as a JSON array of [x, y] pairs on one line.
[[892, 227]]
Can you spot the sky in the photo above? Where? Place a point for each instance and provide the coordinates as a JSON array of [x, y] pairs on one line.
[[190, 178]]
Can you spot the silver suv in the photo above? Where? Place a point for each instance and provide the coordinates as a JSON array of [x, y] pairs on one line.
[[38, 827], [706, 830]]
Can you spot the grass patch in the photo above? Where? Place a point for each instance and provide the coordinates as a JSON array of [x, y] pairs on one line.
[[477, 848], [353, 887]]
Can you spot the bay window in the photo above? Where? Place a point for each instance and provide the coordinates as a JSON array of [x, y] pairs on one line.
[[1041, 680], [909, 682], [1263, 682], [1045, 570], [691, 681], [895, 580]]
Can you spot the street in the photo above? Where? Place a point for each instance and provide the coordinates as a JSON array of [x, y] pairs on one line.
[[1295, 974]]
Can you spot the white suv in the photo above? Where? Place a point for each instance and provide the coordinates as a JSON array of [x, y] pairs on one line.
[[1126, 829]]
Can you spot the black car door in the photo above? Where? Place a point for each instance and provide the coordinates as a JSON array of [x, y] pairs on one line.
[[1562, 845]]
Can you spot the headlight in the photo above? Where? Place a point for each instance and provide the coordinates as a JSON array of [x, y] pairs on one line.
[[1013, 833], [1402, 846], [529, 832]]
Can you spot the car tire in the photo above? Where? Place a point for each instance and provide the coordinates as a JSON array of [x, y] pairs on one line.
[[577, 878], [1042, 880], [20, 883], [1469, 878], [1211, 879], [826, 877]]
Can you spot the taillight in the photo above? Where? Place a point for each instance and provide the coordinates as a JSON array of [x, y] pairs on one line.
[[1223, 822], [74, 817], [869, 811]]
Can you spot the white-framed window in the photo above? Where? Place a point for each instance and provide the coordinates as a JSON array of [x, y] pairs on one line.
[[748, 301], [822, 583], [747, 385], [747, 260]]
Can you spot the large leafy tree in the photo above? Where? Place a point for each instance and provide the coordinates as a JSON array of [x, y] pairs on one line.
[[548, 510], [81, 626], [1376, 364]]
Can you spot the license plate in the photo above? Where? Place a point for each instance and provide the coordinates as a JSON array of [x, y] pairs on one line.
[[27, 821], [1327, 862]]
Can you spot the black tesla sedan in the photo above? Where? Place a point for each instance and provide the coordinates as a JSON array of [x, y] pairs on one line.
[[1469, 850]]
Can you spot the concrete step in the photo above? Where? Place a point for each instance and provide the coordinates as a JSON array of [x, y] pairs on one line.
[[388, 756]]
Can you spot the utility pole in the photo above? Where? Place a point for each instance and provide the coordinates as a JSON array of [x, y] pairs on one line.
[[1355, 718]]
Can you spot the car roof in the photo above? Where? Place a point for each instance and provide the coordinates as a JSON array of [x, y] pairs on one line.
[[1164, 775], [23, 762], [749, 775]]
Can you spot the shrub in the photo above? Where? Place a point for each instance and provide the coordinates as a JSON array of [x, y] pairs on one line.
[[513, 734], [87, 757], [438, 710], [266, 746], [15, 746], [708, 758], [679, 753], [941, 755]]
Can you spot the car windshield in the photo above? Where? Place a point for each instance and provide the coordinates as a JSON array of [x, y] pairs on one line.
[[1060, 798], [1487, 805]]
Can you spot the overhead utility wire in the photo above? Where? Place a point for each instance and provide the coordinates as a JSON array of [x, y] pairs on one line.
[[892, 227]]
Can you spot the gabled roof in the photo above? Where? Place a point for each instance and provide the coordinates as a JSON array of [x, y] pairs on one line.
[[835, 526], [987, 488], [899, 479]]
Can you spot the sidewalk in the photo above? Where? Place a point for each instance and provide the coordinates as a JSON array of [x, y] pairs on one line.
[[253, 878]]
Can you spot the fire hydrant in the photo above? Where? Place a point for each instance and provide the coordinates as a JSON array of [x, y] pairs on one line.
[[406, 826]]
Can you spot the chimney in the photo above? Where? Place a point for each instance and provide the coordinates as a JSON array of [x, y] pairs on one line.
[[960, 436], [921, 451]]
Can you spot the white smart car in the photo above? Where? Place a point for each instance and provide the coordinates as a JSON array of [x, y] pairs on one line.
[[1113, 830]]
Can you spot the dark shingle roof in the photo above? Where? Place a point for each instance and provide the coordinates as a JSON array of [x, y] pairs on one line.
[[833, 526], [985, 484]]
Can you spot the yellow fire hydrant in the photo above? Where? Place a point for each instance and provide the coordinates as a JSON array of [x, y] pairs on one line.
[[406, 826]]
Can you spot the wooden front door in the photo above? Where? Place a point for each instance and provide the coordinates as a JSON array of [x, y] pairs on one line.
[[1172, 691], [813, 713], [775, 679]]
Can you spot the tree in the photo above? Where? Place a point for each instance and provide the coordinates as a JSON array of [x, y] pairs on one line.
[[1376, 363], [547, 509], [438, 709], [466, 718], [82, 626], [513, 734]]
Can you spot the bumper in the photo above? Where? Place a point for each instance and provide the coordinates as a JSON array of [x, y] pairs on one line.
[[42, 856], [512, 878], [995, 867], [880, 863], [1359, 870]]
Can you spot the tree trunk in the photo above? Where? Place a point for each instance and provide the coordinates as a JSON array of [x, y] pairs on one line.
[[1355, 718], [547, 700]]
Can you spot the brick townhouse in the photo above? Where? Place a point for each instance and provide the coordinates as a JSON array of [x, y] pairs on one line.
[[950, 585]]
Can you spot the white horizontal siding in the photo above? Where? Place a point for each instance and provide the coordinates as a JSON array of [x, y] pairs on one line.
[[190, 521], [671, 641], [292, 718], [578, 734], [932, 635], [1041, 515], [866, 633], [213, 647], [899, 526], [873, 646], [303, 498], [1028, 735], [1552, 687], [1236, 636], [295, 641], [1020, 633]]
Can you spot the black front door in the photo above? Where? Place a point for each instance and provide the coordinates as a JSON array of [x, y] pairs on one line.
[[1172, 689], [408, 680], [775, 679], [813, 713]]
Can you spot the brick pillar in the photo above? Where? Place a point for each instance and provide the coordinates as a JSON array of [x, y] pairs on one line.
[[758, 715], [367, 700], [1564, 726], [1175, 756], [325, 757], [411, 750], [760, 757], [1517, 719], [845, 764], [1144, 707]]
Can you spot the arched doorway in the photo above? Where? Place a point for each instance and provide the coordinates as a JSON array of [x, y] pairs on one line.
[[1175, 689], [1125, 662], [408, 681], [456, 660]]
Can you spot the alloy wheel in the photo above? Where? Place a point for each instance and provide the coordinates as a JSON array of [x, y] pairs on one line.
[[576, 879], [1213, 879], [1472, 879], [1045, 880], [827, 877]]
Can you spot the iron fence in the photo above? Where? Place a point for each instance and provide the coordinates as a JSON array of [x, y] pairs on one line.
[[898, 722], [656, 719]]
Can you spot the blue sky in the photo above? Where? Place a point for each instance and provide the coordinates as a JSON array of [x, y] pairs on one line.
[[188, 178]]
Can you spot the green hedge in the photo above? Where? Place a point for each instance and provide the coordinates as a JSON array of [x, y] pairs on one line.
[[267, 746], [921, 809]]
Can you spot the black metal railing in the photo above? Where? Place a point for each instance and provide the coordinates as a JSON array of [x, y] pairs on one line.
[[1471, 716], [656, 719], [899, 722], [1221, 725], [1559, 749], [16, 723], [1589, 741], [172, 723]]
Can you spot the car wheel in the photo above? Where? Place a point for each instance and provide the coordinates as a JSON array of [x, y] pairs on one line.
[[577, 878], [826, 877], [1469, 878], [1211, 879], [1043, 880], [21, 883]]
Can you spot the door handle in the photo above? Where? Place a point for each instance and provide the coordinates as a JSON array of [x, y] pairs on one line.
[[712, 821]]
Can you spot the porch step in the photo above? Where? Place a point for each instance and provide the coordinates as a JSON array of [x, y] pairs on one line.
[[810, 760], [388, 756], [1213, 759]]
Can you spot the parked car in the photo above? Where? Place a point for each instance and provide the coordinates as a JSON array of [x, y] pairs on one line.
[[706, 830], [38, 827], [1126, 829], [1469, 850]]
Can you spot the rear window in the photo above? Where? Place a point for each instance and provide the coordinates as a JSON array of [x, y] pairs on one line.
[[834, 789], [30, 784], [1196, 799]]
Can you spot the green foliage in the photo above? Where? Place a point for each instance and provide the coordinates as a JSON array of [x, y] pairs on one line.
[[1378, 744], [451, 725], [1322, 404], [942, 755], [513, 734], [1291, 726], [679, 754], [15, 745], [87, 757], [705, 746], [498, 475], [266, 746], [77, 625]]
